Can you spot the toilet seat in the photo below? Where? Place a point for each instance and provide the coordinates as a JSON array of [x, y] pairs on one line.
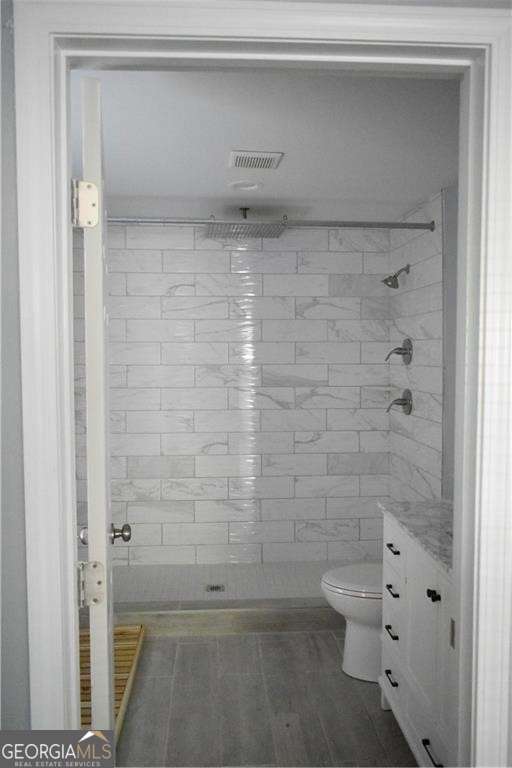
[[362, 580], [351, 593]]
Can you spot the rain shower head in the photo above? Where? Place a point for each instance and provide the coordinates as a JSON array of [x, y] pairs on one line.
[[241, 230], [392, 280]]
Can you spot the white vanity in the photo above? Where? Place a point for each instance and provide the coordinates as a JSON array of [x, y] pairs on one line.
[[419, 670]]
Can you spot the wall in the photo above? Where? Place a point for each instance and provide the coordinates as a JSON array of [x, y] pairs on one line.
[[416, 309], [248, 390], [247, 395], [450, 201], [14, 632]]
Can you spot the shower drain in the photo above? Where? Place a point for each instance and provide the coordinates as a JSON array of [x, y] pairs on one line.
[[215, 587]]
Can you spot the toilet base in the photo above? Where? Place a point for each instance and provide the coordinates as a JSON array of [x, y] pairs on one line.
[[362, 654]]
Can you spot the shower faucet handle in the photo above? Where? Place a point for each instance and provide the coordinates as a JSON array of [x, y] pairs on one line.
[[395, 351], [405, 351], [405, 402]]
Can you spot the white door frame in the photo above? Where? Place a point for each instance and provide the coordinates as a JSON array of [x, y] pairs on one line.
[[51, 37]]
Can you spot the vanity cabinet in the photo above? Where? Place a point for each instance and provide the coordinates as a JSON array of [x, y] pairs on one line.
[[419, 671]]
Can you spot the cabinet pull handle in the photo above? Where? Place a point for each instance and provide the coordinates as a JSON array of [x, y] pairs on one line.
[[392, 682], [392, 549], [389, 628], [434, 595], [426, 746], [389, 588]]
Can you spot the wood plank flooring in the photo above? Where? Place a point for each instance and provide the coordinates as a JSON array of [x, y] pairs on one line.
[[255, 699]]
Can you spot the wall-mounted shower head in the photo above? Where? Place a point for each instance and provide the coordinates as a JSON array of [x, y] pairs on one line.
[[392, 280]]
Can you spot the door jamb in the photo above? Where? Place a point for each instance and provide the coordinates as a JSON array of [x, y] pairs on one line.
[[482, 480]]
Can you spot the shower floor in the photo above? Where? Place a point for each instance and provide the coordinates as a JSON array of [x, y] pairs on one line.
[[176, 586]]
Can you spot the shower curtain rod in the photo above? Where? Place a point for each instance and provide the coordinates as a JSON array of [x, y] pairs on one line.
[[289, 224]]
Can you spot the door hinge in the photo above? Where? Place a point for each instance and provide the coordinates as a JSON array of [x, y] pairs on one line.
[[91, 583], [84, 203]]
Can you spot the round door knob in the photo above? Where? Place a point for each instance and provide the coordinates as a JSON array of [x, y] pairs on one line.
[[84, 536], [124, 533]]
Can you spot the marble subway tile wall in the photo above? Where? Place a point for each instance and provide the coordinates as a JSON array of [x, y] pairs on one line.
[[417, 312], [247, 394]]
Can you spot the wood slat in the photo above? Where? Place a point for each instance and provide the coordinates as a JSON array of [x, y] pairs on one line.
[[127, 645]]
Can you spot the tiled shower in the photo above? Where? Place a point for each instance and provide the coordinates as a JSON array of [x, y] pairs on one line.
[[249, 437]]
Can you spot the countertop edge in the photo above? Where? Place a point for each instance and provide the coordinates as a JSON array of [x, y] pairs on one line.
[[386, 509]]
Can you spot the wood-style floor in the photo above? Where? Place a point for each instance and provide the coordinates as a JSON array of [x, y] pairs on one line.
[[258, 699]]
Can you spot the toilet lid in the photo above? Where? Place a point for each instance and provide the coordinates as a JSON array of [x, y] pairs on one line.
[[358, 577]]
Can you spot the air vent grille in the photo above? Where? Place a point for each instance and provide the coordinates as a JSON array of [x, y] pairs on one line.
[[258, 161]]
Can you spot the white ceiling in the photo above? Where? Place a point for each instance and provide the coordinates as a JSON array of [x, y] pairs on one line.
[[355, 146], [500, 4]]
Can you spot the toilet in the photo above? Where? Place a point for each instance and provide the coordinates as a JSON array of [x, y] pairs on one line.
[[355, 591]]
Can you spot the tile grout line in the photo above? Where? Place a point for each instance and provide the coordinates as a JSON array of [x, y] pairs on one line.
[[267, 696], [171, 694]]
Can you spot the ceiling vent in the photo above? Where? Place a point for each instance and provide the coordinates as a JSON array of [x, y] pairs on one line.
[[257, 161]]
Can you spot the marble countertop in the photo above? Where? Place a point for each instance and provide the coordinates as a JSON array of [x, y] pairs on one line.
[[429, 522]]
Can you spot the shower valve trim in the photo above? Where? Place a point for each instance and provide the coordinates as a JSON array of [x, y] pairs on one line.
[[405, 351], [405, 402]]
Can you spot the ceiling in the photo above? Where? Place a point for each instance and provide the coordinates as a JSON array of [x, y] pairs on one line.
[[355, 146], [499, 4]]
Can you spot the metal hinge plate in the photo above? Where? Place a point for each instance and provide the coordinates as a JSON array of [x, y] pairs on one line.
[[84, 203], [91, 583]]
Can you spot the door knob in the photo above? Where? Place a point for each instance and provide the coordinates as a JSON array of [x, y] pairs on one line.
[[124, 533], [84, 536]]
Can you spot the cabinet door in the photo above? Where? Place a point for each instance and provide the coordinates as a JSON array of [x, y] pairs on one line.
[[447, 669], [422, 623]]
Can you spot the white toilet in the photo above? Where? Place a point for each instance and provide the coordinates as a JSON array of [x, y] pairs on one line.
[[356, 592]]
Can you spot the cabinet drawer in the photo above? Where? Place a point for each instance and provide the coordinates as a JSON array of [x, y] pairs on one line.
[[429, 746], [393, 629], [393, 682], [393, 586], [395, 543]]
